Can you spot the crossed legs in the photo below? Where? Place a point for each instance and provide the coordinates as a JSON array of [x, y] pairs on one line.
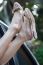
[[8, 48]]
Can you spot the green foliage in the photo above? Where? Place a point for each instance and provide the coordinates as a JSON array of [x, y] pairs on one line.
[[39, 55], [38, 50]]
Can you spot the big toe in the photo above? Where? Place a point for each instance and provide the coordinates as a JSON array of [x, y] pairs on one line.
[[17, 6]]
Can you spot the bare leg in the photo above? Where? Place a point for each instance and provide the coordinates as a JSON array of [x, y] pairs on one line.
[[24, 35], [14, 28]]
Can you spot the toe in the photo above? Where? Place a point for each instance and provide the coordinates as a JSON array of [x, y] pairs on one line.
[[28, 14], [17, 6]]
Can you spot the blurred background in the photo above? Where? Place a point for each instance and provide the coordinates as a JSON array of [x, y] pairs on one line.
[[36, 7]]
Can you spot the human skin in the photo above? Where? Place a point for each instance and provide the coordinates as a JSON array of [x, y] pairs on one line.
[[24, 35], [14, 28], [11, 32], [30, 16]]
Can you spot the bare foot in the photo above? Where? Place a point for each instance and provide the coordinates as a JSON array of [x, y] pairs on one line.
[[17, 19], [28, 28], [29, 15], [25, 32]]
